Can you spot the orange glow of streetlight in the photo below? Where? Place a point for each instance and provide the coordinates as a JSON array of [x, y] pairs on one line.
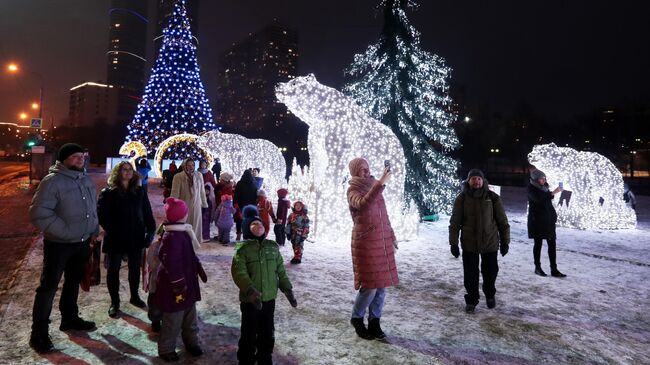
[[12, 67], [23, 116], [34, 106]]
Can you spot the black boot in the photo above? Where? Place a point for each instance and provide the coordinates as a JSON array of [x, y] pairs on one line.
[[77, 324], [41, 344], [556, 273], [491, 302], [374, 329], [114, 311], [360, 328], [539, 271]]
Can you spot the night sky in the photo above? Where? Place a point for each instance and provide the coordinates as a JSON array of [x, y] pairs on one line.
[[561, 57]]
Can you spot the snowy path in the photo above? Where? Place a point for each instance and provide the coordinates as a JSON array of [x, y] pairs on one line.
[[599, 314]]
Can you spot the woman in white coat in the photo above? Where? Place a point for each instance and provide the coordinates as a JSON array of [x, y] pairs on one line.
[[188, 186]]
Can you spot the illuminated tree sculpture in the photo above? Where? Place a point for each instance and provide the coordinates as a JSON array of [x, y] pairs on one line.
[[406, 88], [340, 130], [596, 186], [174, 100]]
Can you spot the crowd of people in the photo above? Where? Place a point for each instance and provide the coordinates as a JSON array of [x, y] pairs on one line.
[[66, 210]]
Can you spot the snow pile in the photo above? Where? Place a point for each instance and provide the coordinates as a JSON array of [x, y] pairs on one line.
[[599, 314]]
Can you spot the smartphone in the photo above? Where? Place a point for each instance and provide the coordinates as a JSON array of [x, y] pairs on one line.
[[561, 185], [387, 164]]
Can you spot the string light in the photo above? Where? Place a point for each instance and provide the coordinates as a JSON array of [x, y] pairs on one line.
[[174, 100], [340, 130], [591, 178], [237, 153], [406, 88], [179, 140], [134, 147]]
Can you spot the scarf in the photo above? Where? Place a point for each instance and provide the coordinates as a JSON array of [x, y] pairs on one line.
[[363, 184], [184, 227], [543, 188]]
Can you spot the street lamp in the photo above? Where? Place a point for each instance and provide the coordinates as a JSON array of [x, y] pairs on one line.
[[35, 106], [22, 116], [14, 69]]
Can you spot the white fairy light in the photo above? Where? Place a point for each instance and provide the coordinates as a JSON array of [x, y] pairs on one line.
[[339, 131], [135, 147], [301, 185], [185, 138], [591, 178], [237, 153]]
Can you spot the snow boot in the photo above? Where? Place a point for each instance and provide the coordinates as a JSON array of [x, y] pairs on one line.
[[360, 328], [374, 329], [539, 271], [469, 308], [556, 273], [491, 302]]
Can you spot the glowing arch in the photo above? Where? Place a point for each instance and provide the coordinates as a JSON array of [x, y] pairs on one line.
[[135, 147], [185, 137]]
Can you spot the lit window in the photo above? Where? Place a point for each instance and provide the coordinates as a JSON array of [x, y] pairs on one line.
[[117, 25]]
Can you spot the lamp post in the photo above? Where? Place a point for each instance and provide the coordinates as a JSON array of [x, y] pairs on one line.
[[13, 68]]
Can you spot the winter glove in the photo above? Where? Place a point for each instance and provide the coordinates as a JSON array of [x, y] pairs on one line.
[[179, 289], [201, 272], [292, 300], [455, 251], [254, 297], [504, 249]]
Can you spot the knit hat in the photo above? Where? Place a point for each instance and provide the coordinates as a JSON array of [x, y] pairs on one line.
[[68, 149], [225, 197], [225, 176], [475, 172], [537, 174], [282, 193], [261, 192], [356, 165], [250, 215], [175, 209]]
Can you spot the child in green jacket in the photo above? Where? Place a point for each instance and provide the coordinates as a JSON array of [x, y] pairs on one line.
[[258, 270]]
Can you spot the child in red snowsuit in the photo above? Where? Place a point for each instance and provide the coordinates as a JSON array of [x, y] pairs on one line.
[[298, 230], [265, 209]]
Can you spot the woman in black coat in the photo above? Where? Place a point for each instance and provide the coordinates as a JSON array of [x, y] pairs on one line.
[[541, 220], [125, 214], [245, 194]]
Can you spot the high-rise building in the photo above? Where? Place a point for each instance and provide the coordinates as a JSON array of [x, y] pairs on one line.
[[164, 10], [248, 74], [92, 103], [126, 54]]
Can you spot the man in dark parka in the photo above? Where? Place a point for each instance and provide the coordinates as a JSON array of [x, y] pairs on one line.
[[484, 230]]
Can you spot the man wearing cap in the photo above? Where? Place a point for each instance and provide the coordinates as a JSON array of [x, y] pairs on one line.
[[64, 209], [484, 230]]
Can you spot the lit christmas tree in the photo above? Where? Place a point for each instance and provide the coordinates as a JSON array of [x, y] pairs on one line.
[[406, 88], [174, 100]]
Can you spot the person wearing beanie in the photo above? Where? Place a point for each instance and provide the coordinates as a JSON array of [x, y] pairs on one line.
[[541, 221], [125, 214], [188, 186], [64, 209], [373, 248], [177, 285], [245, 194], [298, 230], [224, 219], [281, 216], [265, 208], [258, 287], [478, 213]]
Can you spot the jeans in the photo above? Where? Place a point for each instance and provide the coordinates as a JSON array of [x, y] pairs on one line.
[[537, 252], [372, 299], [257, 334], [69, 260], [489, 269], [113, 274], [175, 323]]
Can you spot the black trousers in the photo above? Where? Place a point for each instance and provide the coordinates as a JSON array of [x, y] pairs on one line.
[[489, 269], [113, 274], [257, 334], [537, 252], [59, 259], [280, 231]]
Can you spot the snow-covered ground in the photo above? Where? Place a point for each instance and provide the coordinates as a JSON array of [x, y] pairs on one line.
[[599, 314]]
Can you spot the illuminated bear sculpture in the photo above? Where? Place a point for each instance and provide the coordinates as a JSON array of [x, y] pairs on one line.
[[596, 187], [339, 130], [238, 153]]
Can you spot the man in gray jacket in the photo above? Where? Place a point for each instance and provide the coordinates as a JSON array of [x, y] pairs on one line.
[[64, 209]]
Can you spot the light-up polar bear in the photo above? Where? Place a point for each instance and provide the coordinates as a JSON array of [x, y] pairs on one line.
[[238, 153], [339, 130], [589, 176]]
